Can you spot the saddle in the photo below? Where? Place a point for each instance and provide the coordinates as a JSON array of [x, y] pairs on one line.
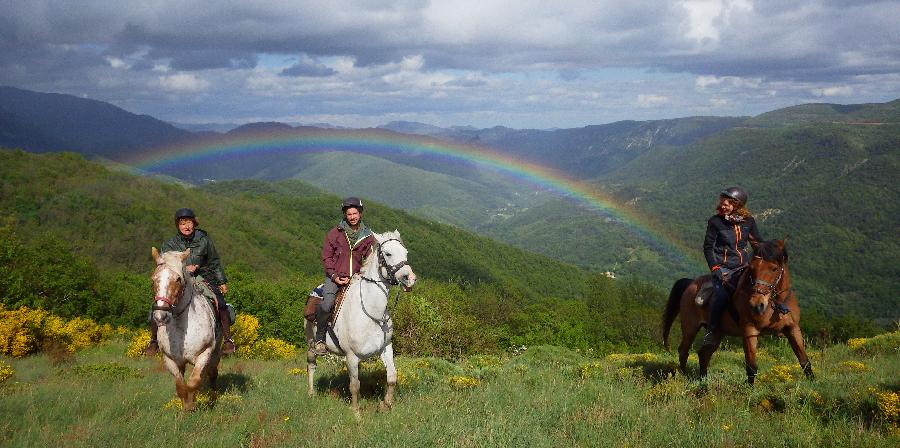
[[704, 292], [315, 297]]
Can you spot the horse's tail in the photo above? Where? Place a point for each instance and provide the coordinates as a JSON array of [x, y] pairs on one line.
[[672, 306]]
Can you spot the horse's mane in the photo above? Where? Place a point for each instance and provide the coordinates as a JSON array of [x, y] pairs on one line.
[[770, 251]]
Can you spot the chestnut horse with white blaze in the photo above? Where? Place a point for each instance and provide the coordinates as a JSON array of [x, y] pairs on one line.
[[187, 326], [752, 313]]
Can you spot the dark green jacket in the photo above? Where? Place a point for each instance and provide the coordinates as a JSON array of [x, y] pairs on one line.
[[203, 254]]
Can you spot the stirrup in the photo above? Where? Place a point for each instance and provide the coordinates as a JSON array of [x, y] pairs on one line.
[[709, 339], [319, 348], [152, 348], [225, 348]]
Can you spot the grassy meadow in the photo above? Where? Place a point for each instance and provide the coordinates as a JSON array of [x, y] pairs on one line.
[[537, 396]]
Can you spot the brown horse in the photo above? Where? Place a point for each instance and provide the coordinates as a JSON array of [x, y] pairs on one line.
[[751, 313]]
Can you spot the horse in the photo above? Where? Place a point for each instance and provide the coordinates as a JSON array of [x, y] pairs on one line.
[[186, 326], [764, 280], [363, 327]]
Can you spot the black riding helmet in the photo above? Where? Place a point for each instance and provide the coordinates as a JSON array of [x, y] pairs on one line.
[[352, 202], [736, 193], [185, 213]]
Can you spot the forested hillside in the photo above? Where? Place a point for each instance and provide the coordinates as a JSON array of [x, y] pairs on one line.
[[76, 240]]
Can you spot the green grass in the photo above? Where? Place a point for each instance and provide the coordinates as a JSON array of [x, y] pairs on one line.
[[544, 396]]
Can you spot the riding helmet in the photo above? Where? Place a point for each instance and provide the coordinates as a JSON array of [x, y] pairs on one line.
[[737, 193], [352, 202], [185, 213]]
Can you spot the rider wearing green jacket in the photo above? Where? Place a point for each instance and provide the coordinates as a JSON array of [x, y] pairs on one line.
[[204, 264]]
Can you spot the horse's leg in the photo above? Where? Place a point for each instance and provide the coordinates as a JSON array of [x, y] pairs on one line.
[[309, 331], [178, 373], [387, 358], [751, 337], [196, 379], [795, 338], [353, 370], [688, 333], [705, 355]]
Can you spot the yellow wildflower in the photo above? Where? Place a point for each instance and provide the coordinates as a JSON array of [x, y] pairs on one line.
[[856, 343], [6, 371], [854, 366], [889, 405], [462, 382]]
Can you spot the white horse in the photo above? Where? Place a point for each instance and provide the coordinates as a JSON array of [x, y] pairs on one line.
[[186, 326], [363, 326]]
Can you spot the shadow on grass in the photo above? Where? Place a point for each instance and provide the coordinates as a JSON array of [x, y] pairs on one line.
[[371, 384], [232, 382]]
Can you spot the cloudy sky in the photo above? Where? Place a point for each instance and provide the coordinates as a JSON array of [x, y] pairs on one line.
[[517, 63]]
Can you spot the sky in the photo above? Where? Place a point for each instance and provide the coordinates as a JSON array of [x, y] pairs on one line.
[[483, 63]]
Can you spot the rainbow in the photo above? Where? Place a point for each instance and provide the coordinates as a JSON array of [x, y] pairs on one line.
[[377, 141]]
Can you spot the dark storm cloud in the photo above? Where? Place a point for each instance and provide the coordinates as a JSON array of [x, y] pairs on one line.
[[405, 54]]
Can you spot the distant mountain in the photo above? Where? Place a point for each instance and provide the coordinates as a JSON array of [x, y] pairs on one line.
[[411, 127], [872, 113], [41, 122]]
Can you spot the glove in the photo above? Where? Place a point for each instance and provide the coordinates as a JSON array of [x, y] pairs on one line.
[[722, 274]]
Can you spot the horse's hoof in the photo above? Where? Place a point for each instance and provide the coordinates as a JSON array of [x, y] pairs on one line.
[[383, 407]]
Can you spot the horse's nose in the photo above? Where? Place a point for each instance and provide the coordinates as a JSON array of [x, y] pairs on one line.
[[161, 317], [409, 280], [759, 308]]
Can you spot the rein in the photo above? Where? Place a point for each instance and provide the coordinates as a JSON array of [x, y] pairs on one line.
[[390, 278]]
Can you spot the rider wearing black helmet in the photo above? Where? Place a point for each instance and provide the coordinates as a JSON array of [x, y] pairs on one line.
[[727, 250], [346, 246], [204, 264]]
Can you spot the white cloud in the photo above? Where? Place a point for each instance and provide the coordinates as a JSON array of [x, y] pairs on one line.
[[833, 91], [183, 82], [652, 100]]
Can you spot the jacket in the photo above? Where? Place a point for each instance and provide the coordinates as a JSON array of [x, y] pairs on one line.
[[203, 254], [727, 243], [342, 257]]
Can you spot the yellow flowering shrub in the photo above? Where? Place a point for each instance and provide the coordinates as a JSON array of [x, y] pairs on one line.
[[854, 366], [6, 371], [297, 371], [781, 373], [671, 388], [245, 330], [462, 382], [889, 405], [24, 331], [138, 344], [856, 343], [268, 348]]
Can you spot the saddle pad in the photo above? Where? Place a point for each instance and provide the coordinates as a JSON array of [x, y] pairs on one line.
[[704, 293], [312, 304]]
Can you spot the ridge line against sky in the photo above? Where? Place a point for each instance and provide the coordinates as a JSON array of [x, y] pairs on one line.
[[522, 64]]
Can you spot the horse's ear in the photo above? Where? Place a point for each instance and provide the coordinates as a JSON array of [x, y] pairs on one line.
[[185, 254], [155, 254], [784, 240]]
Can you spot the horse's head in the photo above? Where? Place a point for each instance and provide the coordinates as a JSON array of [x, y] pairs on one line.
[[168, 283], [392, 261], [766, 273]]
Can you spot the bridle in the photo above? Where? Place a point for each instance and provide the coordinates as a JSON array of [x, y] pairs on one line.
[[390, 276], [390, 270], [170, 303], [763, 287]]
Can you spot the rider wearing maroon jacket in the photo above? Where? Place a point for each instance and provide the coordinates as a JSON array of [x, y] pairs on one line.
[[346, 246]]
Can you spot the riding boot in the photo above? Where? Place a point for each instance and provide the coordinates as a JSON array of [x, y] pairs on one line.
[[780, 307], [153, 346], [322, 317], [716, 308], [228, 346]]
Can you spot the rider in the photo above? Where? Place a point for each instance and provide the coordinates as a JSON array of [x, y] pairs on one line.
[[345, 247], [202, 263], [727, 251]]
